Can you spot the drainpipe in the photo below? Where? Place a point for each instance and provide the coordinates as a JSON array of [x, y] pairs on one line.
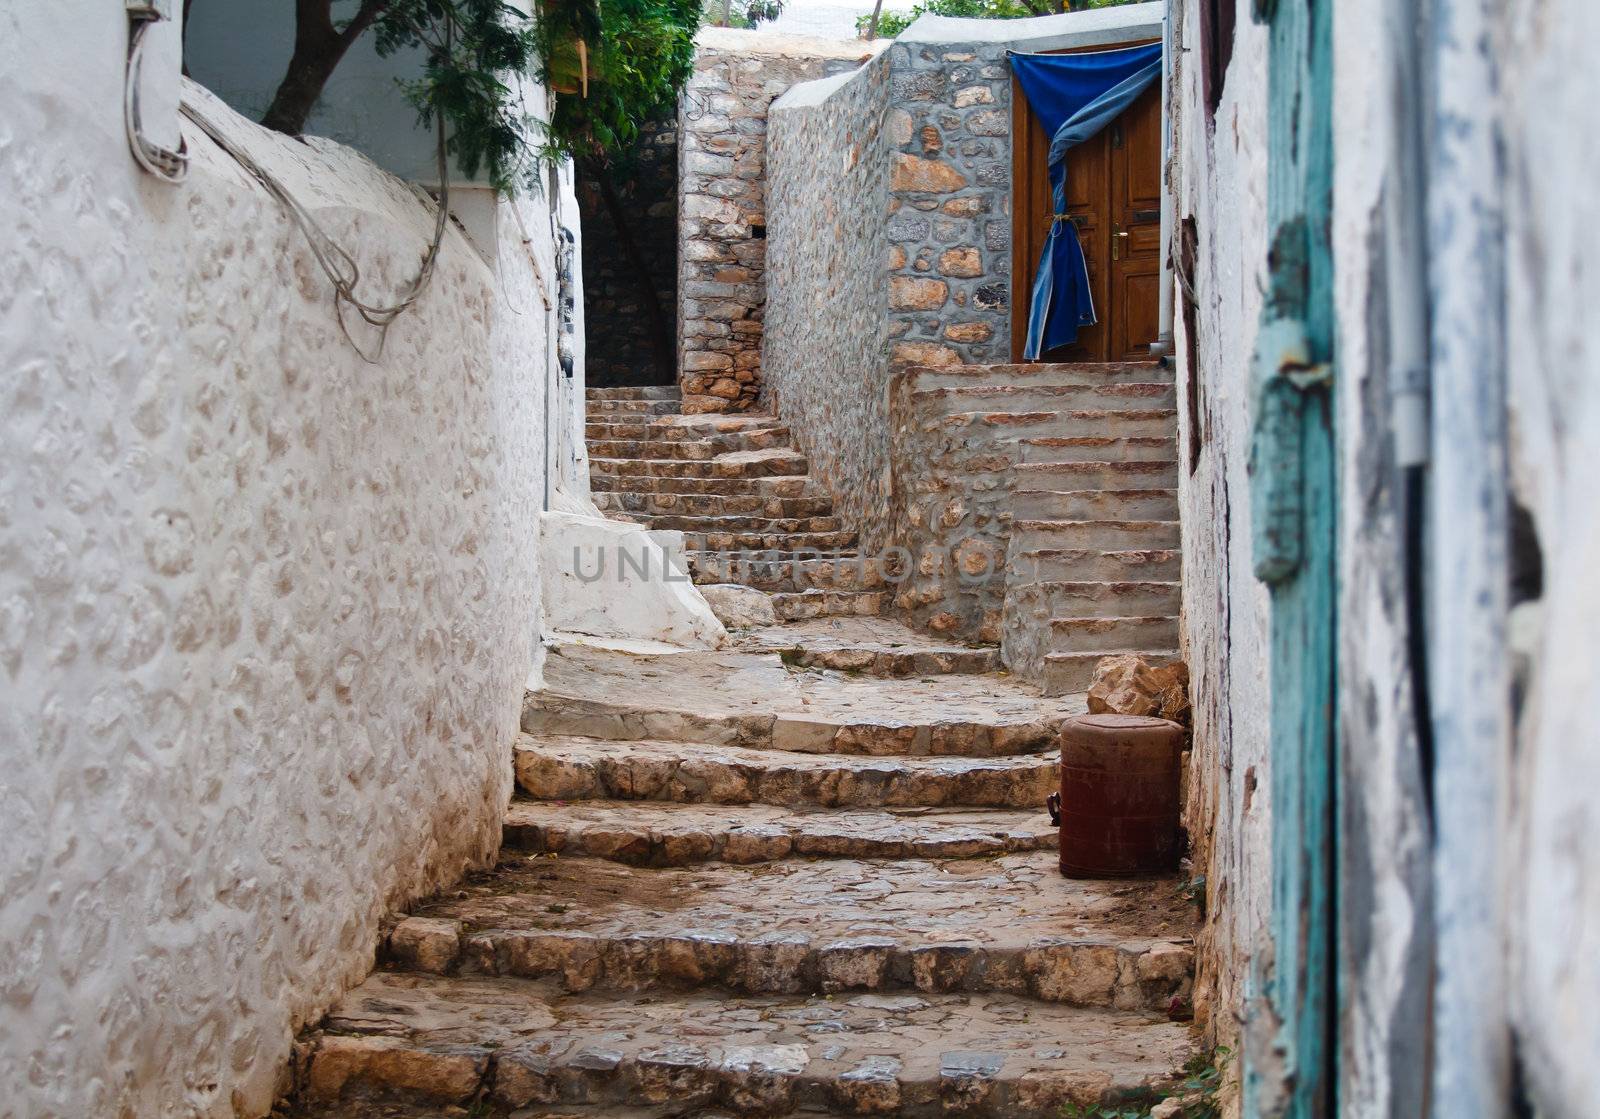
[[1162, 346], [1467, 565]]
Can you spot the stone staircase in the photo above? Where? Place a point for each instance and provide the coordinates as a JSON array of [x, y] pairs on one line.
[[736, 489], [743, 883], [1092, 558]]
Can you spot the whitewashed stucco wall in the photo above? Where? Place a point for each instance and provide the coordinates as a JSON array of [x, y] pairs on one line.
[[1220, 174], [266, 610], [1553, 285]]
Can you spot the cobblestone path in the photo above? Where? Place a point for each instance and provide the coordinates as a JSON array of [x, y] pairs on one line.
[[808, 874]]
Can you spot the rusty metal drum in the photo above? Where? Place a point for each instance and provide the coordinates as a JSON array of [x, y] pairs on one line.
[[1118, 805]]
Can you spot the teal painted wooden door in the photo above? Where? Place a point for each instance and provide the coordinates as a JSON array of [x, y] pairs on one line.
[[1291, 1049]]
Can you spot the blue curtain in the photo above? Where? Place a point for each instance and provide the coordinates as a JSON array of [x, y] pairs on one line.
[[1074, 96]]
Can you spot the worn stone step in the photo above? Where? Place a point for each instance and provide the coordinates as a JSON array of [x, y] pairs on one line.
[[1035, 397], [737, 523], [801, 605], [796, 541], [782, 486], [691, 449], [1084, 565], [667, 834], [634, 392], [1135, 474], [673, 428], [750, 699], [597, 408], [1048, 600], [508, 1043], [1068, 674], [1079, 423], [713, 505], [1095, 505], [877, 646], [805, 926], [733, 464], [1095, 448], [787, 571], [558, 767], [1107, 536], [1105, 635], [1043, 373]]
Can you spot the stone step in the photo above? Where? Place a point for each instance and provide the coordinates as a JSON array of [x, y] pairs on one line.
[[802, 605], [692, 449], [782, 486], [877, 646], [1096, 448], [794, 606], [796, 541], [787, 572], [1094, 600], [634, 392], [1067, 674], [677, 427], [713, 505], [1043, 374], [596, 408], [763, 526], [1105, 536], [666, 834], [736, 464], [1079, 565], [1106, 635], [813, 926], [1095, 505], [1135, 474], [748, 699], [1156, 423], [509, 1044], [558, 767], [1033, 397]]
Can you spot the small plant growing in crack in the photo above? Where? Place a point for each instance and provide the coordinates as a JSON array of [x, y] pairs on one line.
[[1195, 1094]]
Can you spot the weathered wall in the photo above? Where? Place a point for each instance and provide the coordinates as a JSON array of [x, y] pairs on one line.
[[950, 204], [266, 609], [722, 218], [1219, 176], [627, 344], [1553, 391], [824, 372]]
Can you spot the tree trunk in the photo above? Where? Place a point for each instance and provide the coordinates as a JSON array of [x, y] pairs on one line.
[[318, 49], [660, 338], [872, 28]]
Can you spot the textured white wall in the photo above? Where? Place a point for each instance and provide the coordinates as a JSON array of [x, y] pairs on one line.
[[1220, 180], [266, 609], [1553, 286]]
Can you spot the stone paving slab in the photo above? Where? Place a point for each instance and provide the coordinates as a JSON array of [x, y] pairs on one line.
[[1009, 923], [751, 699], [515, 1044], [877, 646], [572, 768], [667, 834]]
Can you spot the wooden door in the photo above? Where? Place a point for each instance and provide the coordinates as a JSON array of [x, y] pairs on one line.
[[1114, 198]]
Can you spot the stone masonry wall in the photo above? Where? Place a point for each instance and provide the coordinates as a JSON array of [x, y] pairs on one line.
[[950, 204], [266, 608], [823, 355], [722, 222], [621, 349]]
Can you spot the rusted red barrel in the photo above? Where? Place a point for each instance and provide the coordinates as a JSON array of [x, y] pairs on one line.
[[1118, 805]]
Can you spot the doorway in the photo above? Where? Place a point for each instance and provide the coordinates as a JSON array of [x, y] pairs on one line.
[[1114, 200]]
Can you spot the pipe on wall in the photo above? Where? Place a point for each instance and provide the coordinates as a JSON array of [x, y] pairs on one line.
[[1467, 563], [1162, 347]]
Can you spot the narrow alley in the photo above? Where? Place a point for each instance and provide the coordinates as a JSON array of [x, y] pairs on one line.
[[805, 873]]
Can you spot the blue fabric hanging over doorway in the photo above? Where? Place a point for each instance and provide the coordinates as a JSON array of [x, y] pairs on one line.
[[1074, 96]]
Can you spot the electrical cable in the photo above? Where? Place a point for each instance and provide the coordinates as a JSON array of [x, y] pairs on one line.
[[165, 164]]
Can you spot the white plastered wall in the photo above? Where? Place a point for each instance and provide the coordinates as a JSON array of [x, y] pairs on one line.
[[266, 609]]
